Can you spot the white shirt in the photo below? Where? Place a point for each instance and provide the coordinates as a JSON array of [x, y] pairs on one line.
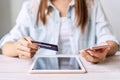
[[65, 33]]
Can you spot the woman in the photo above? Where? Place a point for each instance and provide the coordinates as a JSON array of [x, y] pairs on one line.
[[73, 25]]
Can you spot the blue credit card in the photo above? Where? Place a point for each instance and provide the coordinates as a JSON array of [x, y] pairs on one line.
[[46, 45]]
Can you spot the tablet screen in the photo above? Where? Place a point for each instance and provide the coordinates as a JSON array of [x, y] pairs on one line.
[[56, 63]]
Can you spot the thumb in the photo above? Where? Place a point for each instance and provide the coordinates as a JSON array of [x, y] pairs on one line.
[[29, 39], [107, 50]]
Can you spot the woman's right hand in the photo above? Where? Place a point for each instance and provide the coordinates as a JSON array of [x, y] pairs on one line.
[[25, 49]]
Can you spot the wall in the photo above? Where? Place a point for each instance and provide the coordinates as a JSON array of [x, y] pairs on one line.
[[5, 16], [112, 10], [9, 10], [15, 9]]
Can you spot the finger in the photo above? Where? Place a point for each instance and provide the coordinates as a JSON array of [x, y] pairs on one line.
[[23, 48], [34, 50], [28, 55], [93, 53], [88, 57], [107, 50], [33, 46], [99, 52], [27, 42], [32, 54], [29, 39], [24, 42], [26, 49], [99, 55], [23, 57]]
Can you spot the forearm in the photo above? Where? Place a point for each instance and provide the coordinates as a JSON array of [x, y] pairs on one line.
[[113, 48], [9, 49]]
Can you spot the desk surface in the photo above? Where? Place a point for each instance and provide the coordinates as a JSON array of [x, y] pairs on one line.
[[17, 69]]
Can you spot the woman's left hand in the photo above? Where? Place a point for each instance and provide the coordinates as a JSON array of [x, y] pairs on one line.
[[95, 56]]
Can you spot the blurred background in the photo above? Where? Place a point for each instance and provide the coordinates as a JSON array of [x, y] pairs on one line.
[[9, 10]]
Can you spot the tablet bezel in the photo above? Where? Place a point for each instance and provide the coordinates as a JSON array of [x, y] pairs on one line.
[[82, 70]]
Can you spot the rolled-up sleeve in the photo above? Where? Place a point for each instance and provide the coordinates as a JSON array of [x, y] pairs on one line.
[[21, 28], [103, 28]]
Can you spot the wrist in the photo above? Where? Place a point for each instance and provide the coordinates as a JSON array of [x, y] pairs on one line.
[[113, 48]]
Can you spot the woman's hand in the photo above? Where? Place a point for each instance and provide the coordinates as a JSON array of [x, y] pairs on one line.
[[95, 56], [25, 49]]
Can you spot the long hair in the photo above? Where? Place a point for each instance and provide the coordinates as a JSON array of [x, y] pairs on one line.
[[81, 13]]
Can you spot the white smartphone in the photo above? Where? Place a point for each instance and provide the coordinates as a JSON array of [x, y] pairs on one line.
[[100, 47]]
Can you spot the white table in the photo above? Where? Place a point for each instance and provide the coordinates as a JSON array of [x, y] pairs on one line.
[[17, 69]]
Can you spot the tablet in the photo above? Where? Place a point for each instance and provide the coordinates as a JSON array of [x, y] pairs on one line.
[[57, 64]]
